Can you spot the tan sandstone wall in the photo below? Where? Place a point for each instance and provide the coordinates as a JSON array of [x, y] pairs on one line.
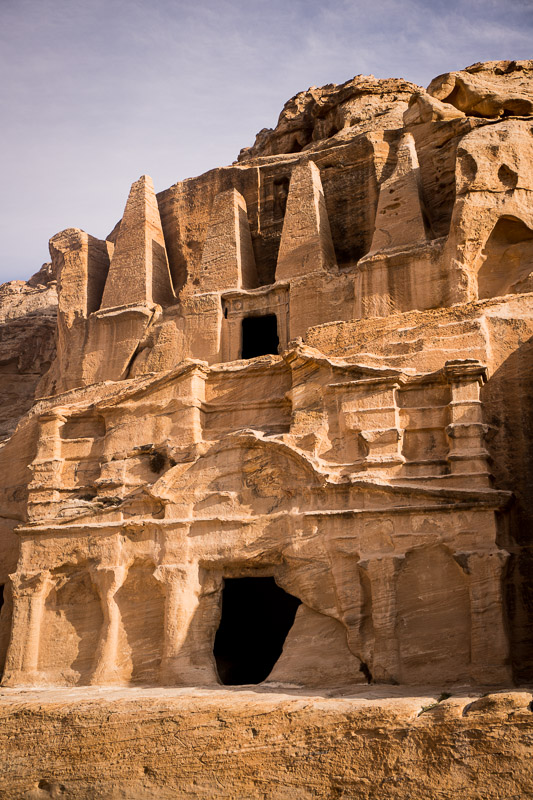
[[150, 745]]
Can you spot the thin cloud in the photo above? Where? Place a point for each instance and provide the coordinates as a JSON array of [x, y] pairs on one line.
[[95, 92]]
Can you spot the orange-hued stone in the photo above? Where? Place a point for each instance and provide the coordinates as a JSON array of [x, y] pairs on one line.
[[138, 272], [275, 430]]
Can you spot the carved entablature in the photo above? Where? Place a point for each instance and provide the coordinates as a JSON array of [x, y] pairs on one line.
[[349, 419]]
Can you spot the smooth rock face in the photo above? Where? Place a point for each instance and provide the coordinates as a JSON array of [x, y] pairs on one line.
[[138, 272], [312, 370]]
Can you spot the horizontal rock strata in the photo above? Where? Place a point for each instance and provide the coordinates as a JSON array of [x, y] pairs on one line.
[[150, 744]]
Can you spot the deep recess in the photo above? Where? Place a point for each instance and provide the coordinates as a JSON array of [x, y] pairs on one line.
[[259, 336], [256, 618]]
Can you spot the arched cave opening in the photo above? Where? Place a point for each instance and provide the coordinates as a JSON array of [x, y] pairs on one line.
[[256, 618], [259, 336], [508, 257]]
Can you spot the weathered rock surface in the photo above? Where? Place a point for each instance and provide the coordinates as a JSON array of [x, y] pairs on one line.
[[491, 89], [285, 441], [148, 744], [28, 313], [333, 114]]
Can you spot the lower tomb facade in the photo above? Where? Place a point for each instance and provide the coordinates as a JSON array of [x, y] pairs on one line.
[[349, 491]]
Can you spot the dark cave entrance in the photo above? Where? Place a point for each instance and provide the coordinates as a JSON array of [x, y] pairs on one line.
[[259, 336], [256, 618]]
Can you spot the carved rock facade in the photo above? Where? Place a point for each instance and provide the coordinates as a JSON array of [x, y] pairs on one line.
[[311, 366]]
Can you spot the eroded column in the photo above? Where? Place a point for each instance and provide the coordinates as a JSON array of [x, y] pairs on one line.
[[108, 581], [489, 643], [352, 604], [29, 596]]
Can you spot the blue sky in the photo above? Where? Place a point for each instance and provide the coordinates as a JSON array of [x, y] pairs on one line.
[[96, 92]]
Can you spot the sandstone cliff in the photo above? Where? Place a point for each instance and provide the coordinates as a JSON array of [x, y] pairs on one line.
[[282, 434], [28, 315]]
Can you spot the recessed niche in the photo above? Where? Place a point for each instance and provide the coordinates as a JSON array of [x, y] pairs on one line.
[[256, 618], [508, 258]]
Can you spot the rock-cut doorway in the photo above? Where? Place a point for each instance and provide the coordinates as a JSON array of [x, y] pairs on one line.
[[256, 618], [259, 336]]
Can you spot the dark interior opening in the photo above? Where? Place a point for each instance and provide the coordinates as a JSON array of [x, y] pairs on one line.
[[259, 336], [1, 595], [295, 146], [256, 618], [281, 193]]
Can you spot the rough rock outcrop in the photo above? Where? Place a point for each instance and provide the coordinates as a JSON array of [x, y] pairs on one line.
[[285, 435], [329, 115], [28, 313], [160, 744], [492, 89]]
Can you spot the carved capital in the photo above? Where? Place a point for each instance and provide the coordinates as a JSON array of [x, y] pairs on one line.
[[31, 584]]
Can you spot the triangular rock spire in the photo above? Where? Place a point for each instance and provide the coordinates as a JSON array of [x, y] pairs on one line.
[[228, 258], [139, 271], [399, 218], [306, 244]]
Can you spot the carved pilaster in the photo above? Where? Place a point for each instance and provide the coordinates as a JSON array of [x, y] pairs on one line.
[[382, 573], [374, 414], [29, 596], [190, 609], [108, 581], [44, 488], [468, 456]]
